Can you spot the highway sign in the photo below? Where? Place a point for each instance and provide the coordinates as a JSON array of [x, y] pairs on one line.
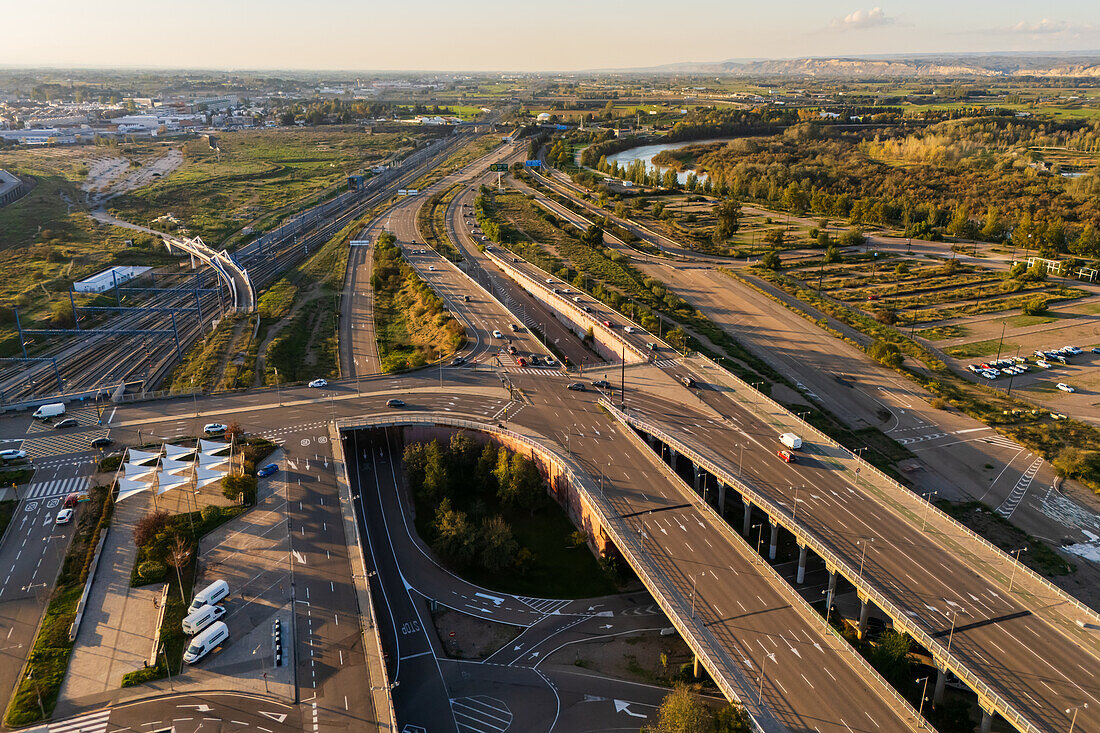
[[413, 191], [401, 192], [533, 163], [498, 167]]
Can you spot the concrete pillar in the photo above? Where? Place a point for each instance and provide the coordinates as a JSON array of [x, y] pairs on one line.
[[721, 499], [987, 722], [831, 592], [941, 682], [698, 478], [695, 668], [801, 577], [864, 612], [774, 541], [748, 518], [673, 457]]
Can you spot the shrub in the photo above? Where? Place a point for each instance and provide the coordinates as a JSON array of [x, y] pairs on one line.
[[211, 513], [771, 260], [885, 353], [852, 238], [1035, 307], [149, 527], [151, 571]]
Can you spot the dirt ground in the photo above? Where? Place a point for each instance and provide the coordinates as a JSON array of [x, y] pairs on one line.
[[466, 637], [643, 656]]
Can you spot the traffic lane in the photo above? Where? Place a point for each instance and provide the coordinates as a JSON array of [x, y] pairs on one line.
[[490, 698], [410, 656], [659, 513], [853, 527], [190, 713], [601, 704], [329, 648]]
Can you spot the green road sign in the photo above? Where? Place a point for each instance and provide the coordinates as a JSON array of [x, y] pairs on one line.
[[498, 167]]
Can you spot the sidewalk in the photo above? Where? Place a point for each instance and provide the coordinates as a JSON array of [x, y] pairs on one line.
[[116, 633]]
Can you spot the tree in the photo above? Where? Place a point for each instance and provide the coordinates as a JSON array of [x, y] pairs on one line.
[[993, 229], [853, 238], [498, 545], [677, 339], [885, 353], [61, 315], [1086, 244], [728, 216], [149, 527], [593, 236], [794, 199], [682, 711], [774, 237], [832, 254], [454, 536], [1037, 306], [771, 260], [234, 432], [179, 554]]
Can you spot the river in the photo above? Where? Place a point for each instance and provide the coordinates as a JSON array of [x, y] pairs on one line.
[[645, 153]]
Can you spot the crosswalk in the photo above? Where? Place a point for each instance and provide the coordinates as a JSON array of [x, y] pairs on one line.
[[1019, 490], [85, 416], [665, 363], [544, 372], [57, 487], [62, 443], [91, 723], [543, 605], [481, 714]]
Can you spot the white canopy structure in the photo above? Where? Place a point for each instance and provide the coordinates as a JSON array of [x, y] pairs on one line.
[[176, 452], [129, 487], [167, 482], [206, 461], [143, 457], [213, 447], [169, 466], [206, 476], [142, 473]]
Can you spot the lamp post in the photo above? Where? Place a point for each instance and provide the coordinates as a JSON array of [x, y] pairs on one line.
[[927, 509], [1072, 722], [278, 390], [1012, 578], [863, 555], [693, 577], [951, 634], [760, 688], [923, 696]]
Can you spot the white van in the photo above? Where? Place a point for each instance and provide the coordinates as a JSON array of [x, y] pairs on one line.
[[791, 440], [209, 595], [200, 619], [52, 410], [206, 642]]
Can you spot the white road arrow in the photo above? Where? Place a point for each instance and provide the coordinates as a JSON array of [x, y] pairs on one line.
[[622, 706], [606, 626], [299, 557], [495, 599], [277, 717], [517, 647], [200, 708]]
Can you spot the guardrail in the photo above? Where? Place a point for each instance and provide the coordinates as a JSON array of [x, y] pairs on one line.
[[923, 507], [780, 513], [710, 652]]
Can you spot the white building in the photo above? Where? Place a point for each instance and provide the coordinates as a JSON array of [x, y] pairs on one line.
[[104, 281]]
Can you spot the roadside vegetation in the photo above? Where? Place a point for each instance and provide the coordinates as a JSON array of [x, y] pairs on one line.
[[431, 222], [485, 511], [412, 324], [684, 711], [36, 692]]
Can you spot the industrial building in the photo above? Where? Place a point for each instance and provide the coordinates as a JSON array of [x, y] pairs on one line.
[[103, 281]]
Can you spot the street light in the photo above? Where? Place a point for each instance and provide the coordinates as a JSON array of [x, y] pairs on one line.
[[693, 577], [863, 555], [760, 689], [928, 509], [1012, 577], [951, 634], [923, 696], [1073, 722]]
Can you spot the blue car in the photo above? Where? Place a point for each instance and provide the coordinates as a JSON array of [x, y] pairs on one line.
[[268, 469]]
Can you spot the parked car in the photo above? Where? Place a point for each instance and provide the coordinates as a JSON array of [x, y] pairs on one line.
[[395, 403], [69, 422], [12, 454], [64, 516], [319, 383], [268, 470], [1065, 387]]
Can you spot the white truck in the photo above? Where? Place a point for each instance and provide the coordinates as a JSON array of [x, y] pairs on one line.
[[791, 440], [51, 410]]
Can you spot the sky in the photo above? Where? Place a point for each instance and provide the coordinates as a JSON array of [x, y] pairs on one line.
[[494, 35]]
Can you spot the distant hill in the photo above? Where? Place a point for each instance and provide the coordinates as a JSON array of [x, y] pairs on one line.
[[1080, 64]]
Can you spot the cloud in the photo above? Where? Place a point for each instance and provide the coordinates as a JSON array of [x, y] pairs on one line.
[[861, 19], [1046, 26]]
